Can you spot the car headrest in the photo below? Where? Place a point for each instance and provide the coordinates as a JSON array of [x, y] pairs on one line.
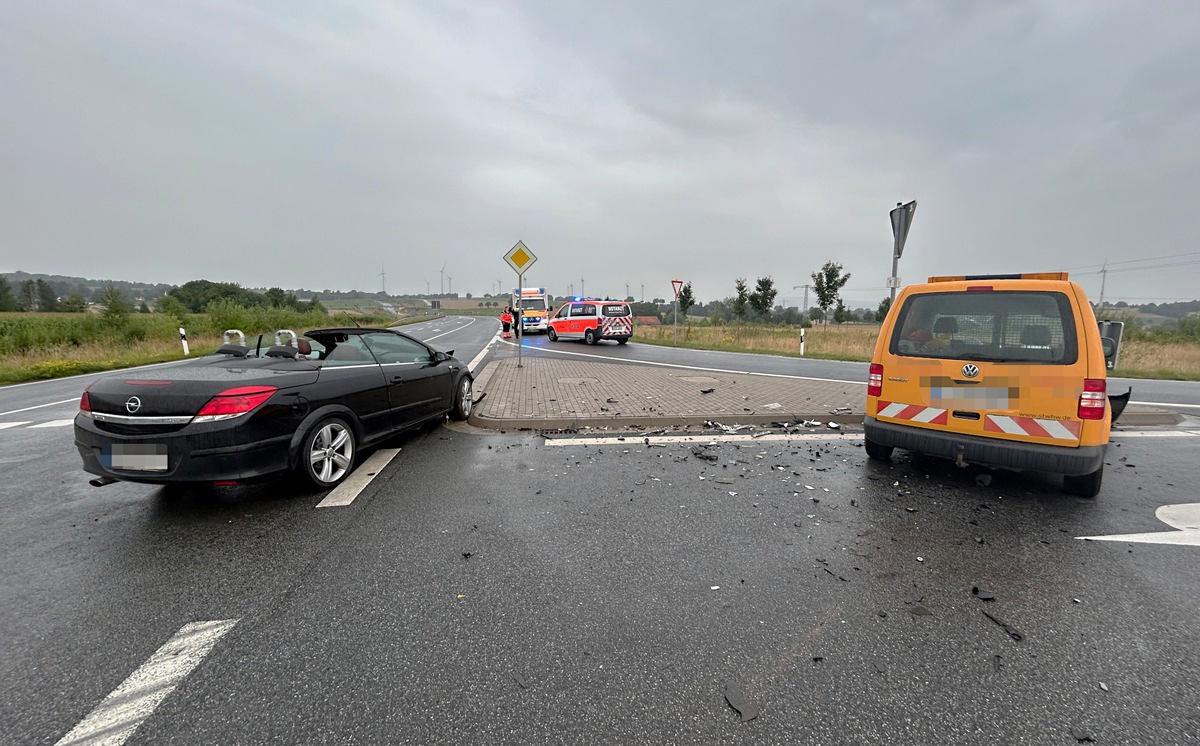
[[946, 325], [303, 346], [1036, 335]]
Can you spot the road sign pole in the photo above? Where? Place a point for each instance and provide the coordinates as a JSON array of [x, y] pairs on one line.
[[895, 267], [677, 321], [901, 218], [517, 321]]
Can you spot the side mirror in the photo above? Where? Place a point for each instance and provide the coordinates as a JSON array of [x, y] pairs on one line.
[[440, 357]]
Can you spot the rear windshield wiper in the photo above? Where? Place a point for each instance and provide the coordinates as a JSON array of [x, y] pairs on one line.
[[983, 356]]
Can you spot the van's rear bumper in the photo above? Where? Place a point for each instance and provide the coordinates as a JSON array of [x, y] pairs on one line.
[[990, 451]]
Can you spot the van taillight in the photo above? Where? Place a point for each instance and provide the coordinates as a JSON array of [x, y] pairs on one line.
[[875, 380], [1093, 399]]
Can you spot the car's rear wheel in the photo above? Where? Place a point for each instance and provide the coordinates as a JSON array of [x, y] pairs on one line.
[[463, 394], [589, 337], [877, 451], [553, 335], [328, 453], [1084, 485]]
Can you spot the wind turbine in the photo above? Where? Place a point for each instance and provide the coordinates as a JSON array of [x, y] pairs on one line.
[[449, 284], [442, 279], [383, 279]]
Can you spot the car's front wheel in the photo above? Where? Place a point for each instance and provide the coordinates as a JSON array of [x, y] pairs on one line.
[[463, 394], [589, 337], [553, 335], [328, 453]]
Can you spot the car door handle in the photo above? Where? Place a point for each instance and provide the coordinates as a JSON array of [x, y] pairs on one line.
[[397, 379]]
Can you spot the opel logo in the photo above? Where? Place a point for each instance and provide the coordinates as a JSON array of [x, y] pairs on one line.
[[970, 370], [133, 404]]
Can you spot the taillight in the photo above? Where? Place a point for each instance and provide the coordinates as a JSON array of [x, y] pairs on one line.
[[1093, 399], [85, 404], [875, 380], [234, 403]]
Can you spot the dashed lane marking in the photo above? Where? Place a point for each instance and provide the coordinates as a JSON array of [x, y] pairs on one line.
[[40, 406], [116, 718], [358, 480], [54, 423]]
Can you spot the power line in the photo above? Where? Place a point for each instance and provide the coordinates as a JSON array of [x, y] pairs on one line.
[[1130, 261]]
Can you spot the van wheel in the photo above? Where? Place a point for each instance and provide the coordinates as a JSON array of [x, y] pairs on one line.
[[1084, 485], [589, 336], [877, 451], [622, 340], [553, 335]]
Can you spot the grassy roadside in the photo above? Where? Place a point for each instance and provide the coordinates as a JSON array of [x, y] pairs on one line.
[[1139, 358]]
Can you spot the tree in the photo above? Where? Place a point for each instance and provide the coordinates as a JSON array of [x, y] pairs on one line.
[[885, 305], [116, 307], [686, 299], [276, 297], [740, 300], [169, 305], [840, 314], [827, 284], [7, 301], [143, 308], [74, 303], [47, 298], [27, 297], [763, 297]]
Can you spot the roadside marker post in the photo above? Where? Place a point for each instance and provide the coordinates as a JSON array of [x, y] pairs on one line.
[[801, 341], [520, 258], [677, 285], [183, 339]]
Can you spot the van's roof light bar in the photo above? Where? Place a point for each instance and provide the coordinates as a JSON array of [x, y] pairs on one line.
[[1021, 276]]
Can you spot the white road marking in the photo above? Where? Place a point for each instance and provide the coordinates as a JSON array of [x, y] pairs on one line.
[[685, 367], [475, 363], [345, 492], [116, 718], [635, 439], [464, 326], [1184, 518], [1155, 434], [40, 406], [1165, 404], [6, 425], [54, 423]]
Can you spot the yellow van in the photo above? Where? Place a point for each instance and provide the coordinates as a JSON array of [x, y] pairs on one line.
[[1001, 370]]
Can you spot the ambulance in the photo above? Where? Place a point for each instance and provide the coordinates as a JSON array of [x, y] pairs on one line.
[[592, 320], [1001, 370], [531, 309]]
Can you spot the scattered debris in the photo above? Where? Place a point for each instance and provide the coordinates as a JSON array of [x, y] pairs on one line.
[[737, 700], [773, 405], [983, 480], [1103, 686], [834, 426], [1008, 629], [521, 680], [714, 588], [818, 659], [707, 391], [610, 400], [997, 661], [919, 610], [1076, 601], [880, 667], [841, 410], [920, 559], [468, 555], [982, 594], [704, 455], [1082, 735]]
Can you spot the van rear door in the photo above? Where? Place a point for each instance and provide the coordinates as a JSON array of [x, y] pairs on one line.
[[997, 360]]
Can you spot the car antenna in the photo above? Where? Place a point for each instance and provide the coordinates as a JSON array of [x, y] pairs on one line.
[[258, 347]]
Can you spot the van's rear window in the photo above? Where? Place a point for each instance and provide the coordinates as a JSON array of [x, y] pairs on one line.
[[1001, 326], [616, 310]]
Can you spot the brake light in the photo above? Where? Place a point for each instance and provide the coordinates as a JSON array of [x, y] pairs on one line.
[[979, 288], [234, 403], [1093, 399], [85, 404], [875, 380]]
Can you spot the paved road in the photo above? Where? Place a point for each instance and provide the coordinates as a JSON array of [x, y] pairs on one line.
[[586, 610]]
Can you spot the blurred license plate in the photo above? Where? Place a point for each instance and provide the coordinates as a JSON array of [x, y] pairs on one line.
[[139, 457]]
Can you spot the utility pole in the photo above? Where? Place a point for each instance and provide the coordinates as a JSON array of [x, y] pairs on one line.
[[806, 287], [1103, 279], [382, 279], [427, 287], [581, 290], [627, 290], [643, 292]]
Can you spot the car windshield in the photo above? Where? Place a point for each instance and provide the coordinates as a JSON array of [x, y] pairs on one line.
[[1000, 326]]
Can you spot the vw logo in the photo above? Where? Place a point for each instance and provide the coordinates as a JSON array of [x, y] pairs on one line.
[[133, 404], [970, 370]]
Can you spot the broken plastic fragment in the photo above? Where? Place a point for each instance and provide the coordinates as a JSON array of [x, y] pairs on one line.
[[981, 594], [737, 700], [1103, 686]]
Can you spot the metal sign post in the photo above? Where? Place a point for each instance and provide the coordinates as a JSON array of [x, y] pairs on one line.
[[677, 285], [520, 258], [901, 221]]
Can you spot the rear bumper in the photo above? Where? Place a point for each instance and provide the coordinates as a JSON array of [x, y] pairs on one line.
[[211, 454], [989, 451]]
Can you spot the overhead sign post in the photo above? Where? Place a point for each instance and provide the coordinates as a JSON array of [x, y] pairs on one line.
[[901, 221], [520, 258], [677, 285]]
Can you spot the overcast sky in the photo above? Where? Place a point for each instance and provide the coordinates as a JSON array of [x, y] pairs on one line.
[[310, 144]]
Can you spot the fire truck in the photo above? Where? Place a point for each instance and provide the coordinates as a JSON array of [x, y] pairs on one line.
[[531, 309]]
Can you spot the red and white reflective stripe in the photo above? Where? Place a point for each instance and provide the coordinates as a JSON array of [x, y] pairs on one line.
[[1038, 428], [618, 326], [913, 412]]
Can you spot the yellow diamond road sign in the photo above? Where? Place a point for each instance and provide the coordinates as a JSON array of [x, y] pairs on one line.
[[520, 258]]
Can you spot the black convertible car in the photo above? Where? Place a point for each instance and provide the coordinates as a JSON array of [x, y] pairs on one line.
[[244, 413]]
